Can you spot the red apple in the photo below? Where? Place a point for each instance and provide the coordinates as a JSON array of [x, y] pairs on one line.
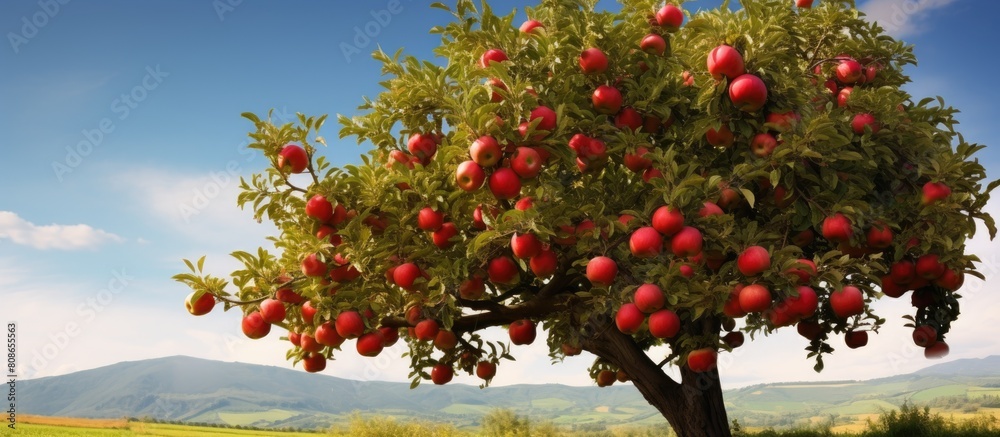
[[844, 95], [929, 267], [445, 340], [486, 370], [505, 184], [664, 324], [645, 242], [524, 203], [349, 324], [442, 374], [313, 362], [924, 336], [810, 330], [294, 158], [686, 242], [525, 246], [903, 272], [648, 298], [748, 93], [406, 275], [319, 208], [309, 343], [288, 295], [429, 220], [326, 334], [544, 264], [837, 228], [702, 360], [670, 17], [606, 378], [470, 176], [312, 266], [442, 237], [651, 173], [254, 326], [593, 61], [637, 161], [485, 151], [370, 344], [472, 288], [710, 209], [804, 270], [668, 220], [607, 99], [763, 144], [950, 280], [495, 97], [547, 116], [732, 306], [753, 261], [601, 271], [629, 118], [202, 305], [272, 310], [755, 298], [934, 192], [570, 350], [860, 121], [308, 313], [629, 318], [804, 4], [522, 332], [848, 301], [783, 121], [723, 137], [734, 339], [490, 56], [423, 146], [892, 288], [725, 61], [526, 162], [427, 330], [653, 44], [937, 350], [804, 304], [849, 71], [856, 339], [530, 26], [502, 270]]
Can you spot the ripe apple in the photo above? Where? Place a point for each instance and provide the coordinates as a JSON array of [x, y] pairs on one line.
[[879, 236], [312, 266], [525, 246], [254, 326], [687, 78], [651, 173], [441, 374], [804, 270], [442, 237], [753, 261], [294, 157], [472, 288], [477, 218], [664, 324], [903, 272], [570, 350], [601, 271], [470, 176], [313, 362], [848, 301], [495, 97], [485, 151], [272, 310], [390, 335], [544, 264], [309, 343], [933, 192], [370, 344], [405, 275], [844, 95], [349, 324], [648, 298], [502, 270], [860, 121], [445, 340], [202, 305], [950, 280], [856, 339], [783, 121], [848, 71], [668, 220], [526, 162], [319, 208], [486, 370], [593, 61], [505, 184], [427, 330], [653, 44], [423, 146], [837, 228], [924, 336], [530, 26], [524, 203], [637, 162], [755, 298], [937, 350], [723, 137], [645, 242], [522, 332], [288, 295], [929, 267], [308, 313], [686, 270], [606, 378], [629, 118], [430, 220], [607, 99], [804, 4], [763, 144], [686, 242], [629, 318], [709, 209], [547, 115], [326, 335], [805, 303], [725, 61], [490, 56], [734, 339], [732, 306], [809, 329], [702, 360], [892, 288], [670, 17], [748, 93]]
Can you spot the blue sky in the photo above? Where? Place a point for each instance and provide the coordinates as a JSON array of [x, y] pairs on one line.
[[91, 239]]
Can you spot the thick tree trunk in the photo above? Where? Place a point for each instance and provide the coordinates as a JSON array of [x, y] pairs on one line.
[[694, 407]]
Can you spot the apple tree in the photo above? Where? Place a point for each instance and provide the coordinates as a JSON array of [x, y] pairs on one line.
[[648, 185]]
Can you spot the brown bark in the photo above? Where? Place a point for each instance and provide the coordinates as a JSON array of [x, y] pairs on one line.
[[694, 407]]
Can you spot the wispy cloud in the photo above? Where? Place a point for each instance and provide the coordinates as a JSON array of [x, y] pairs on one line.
[[60, 237], [902, 18]]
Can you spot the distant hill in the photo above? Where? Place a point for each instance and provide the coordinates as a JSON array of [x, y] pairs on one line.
[[198, 390]]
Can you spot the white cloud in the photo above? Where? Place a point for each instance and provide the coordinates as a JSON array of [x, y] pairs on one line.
[[62, 237], [901, 18]]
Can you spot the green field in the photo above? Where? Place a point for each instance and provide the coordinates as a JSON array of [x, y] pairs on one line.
[[140, 429]]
